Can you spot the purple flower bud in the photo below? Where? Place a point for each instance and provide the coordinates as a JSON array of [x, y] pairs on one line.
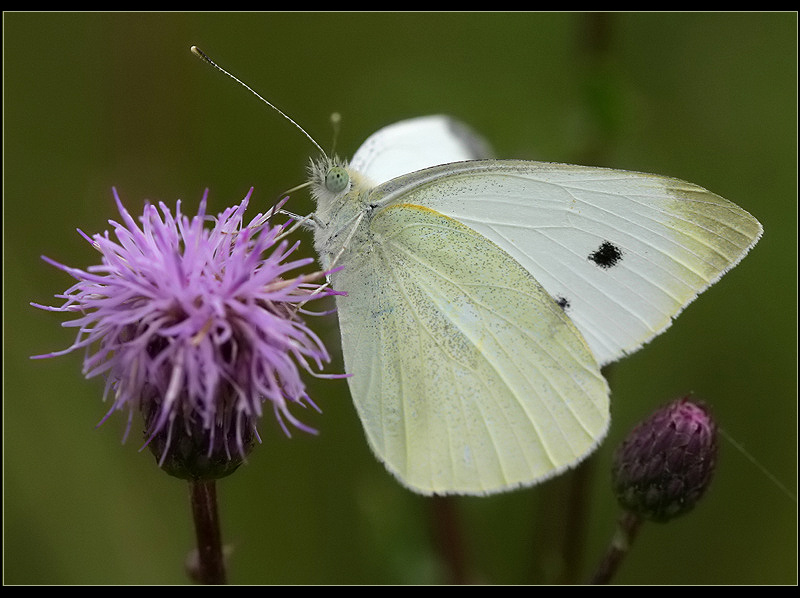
[[196, 327], [666, 463]]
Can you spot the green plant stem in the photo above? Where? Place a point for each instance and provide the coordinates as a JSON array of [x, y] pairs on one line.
[[575, 531], [627, 527], [448, 538], [211, 562]]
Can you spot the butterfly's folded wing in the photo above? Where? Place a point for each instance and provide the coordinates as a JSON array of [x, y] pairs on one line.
[[414, 144], [622, 252], [467, 376]]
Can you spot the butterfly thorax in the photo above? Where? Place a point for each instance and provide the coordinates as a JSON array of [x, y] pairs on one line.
[[342, 199]]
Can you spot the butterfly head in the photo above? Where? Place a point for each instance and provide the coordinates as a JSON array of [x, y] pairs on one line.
[[330, 179]]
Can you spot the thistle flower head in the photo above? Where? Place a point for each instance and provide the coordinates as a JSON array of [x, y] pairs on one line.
[[196, 328], [666, 463]]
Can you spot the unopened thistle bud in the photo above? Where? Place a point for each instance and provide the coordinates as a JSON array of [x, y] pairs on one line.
[[666, 463]]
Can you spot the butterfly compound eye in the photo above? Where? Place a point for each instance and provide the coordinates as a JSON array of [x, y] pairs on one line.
[[337, 179]]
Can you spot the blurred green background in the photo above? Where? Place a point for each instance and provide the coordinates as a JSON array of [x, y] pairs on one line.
[[93, 100]]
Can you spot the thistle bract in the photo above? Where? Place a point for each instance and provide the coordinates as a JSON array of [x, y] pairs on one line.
[[666, 463], [196, 327]]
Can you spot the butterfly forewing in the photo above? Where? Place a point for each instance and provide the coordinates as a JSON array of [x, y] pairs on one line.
[[621, 252]]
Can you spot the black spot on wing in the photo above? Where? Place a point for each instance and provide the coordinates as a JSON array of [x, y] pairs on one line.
[[607, 255], [562, 302]]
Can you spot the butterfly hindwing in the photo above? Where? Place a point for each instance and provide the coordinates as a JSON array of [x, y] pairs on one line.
[[467, 376]]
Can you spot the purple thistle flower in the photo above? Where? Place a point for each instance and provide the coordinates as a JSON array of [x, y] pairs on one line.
[[666, 463], [196, 328]]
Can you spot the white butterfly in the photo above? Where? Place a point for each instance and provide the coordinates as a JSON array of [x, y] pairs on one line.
[[483, 296]]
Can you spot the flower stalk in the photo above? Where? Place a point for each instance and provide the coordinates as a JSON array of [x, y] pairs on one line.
[[627, 527], [211, 568]]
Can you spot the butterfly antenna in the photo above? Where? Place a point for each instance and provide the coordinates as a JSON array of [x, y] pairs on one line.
[[200, 54], [336, 120]]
